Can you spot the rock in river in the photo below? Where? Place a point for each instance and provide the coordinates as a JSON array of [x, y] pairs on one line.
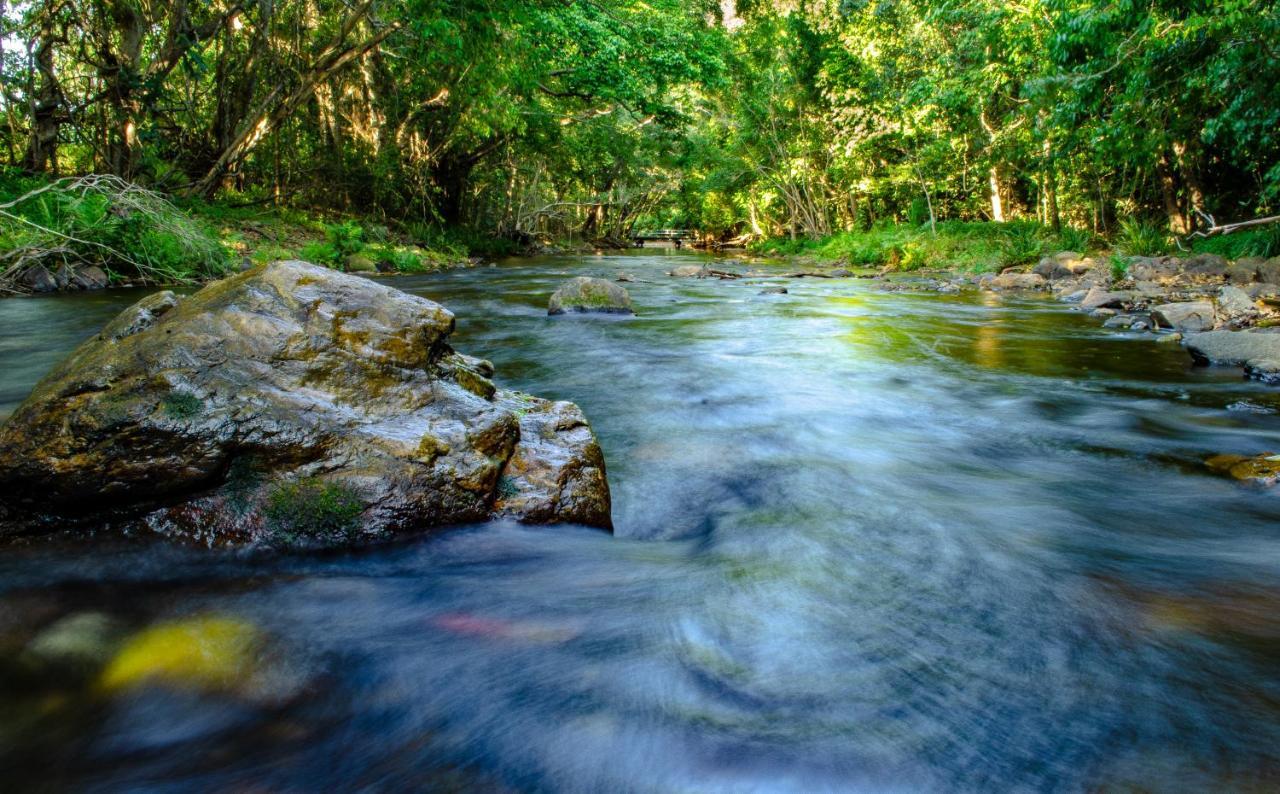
[[1192, 316], [1257, 352], [289, 404], [583, 294]]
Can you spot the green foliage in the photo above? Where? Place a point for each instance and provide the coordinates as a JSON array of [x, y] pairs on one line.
[[110, 223], [1023, 244], [1142, 238], [1119, 267], [312, 510], [320, 253], [1071, 238], [978, 247], [1262, 242], [345, 238]]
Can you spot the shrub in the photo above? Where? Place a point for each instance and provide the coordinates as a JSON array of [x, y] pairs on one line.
[[1022, 245], [108, 222], [1142, 238], [319, 253], [346, 238], [1119, 267], [1072, 239]]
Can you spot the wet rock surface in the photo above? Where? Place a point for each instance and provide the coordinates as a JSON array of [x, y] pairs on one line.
[[586, 295], [288, 405]]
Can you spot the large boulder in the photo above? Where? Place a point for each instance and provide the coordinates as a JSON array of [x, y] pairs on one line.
[[583, 294], [1256, 351], [1193, 316], [289, 404]]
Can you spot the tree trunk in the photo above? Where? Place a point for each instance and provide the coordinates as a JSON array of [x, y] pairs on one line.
[[997, 202], [280, 103], [46, 108], [1169, 192], [1188, 162]]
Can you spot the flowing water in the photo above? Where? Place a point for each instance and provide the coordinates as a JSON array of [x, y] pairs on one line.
[[865, 541]]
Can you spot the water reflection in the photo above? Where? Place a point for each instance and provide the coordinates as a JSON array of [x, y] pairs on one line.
[[865, 541]]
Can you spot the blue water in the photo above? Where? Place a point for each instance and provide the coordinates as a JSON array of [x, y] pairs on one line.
[[865, 542]]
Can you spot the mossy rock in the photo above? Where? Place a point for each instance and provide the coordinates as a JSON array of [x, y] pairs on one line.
[[359, 263], [584, 294], [285, 405]]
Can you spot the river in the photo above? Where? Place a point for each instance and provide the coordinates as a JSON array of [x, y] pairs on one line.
[[865, 541]]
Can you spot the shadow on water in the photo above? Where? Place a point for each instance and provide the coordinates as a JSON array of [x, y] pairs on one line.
[[865, 541]]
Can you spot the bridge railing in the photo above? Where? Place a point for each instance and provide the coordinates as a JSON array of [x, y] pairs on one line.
[[665, 234]]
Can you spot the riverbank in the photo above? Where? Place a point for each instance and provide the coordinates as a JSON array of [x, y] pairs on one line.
[[95, 232]]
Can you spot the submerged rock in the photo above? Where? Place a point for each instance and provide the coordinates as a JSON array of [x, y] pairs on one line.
[[1262, 470], [583, 294], [688, 271], [289, 404]]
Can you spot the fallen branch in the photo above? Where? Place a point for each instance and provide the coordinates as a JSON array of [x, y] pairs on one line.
[[1215, 229]]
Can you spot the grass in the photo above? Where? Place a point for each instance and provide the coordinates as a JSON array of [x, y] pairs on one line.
[[131, 233], [973, 246], [985, 247], [139, 236], [1261, 242]]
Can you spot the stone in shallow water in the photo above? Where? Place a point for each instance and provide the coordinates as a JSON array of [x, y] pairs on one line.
[[584, 294], [1263, 470], [289, 404]]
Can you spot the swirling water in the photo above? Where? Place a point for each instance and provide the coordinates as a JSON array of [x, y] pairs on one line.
[[866, 541]]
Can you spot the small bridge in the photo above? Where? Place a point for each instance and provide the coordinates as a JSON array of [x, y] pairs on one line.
[[665, 235]]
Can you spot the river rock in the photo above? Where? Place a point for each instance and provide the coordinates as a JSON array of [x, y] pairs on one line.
[[1017, 281], [1153, 268], [585, 294], [688, 271], [1244, 271], [1098, 298], [1191, 316], [74, 279], [1235, 306], [290, 404], [1205, 267], [1257, 352], [774, 291], [37, 278], [359, 263], [1064, 264], [1262, 471]]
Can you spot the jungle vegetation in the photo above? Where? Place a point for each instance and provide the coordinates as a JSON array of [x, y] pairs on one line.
[[838, 125]]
